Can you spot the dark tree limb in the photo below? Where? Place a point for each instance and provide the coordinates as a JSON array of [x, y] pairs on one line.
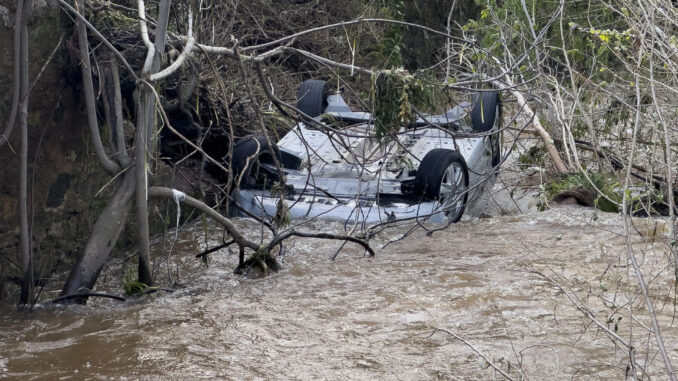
[[85, 295], [638, 171], [289, 233], [262, 260], [217, 248]]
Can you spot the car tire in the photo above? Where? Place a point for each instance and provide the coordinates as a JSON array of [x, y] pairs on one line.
[[312, 97], [485, 111], [443, 176], [256, 149]]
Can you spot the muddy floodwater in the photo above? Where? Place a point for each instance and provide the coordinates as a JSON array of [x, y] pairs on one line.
[[515, 289]]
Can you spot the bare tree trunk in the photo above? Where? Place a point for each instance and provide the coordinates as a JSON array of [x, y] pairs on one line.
[[545, 136], [113, 107], [141, 174], [145, 138], [26, 255], [105, 234], [112, 220], [448, 46]]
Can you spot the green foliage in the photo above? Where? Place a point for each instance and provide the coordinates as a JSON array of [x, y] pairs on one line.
[[130, 282], [391, 45], [395, 93], [113, 19], [137, 288], [608, 191], [607, 199], [534, 156], [585, 46]]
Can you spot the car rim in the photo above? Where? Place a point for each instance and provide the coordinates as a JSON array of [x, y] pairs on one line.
[[452, 190]]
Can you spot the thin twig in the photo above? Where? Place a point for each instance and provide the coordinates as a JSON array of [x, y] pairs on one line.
[[498, 369]]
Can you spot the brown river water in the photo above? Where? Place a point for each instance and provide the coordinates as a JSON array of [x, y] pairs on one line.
[[421, 309]]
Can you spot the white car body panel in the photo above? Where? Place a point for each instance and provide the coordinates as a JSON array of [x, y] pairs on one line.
[[351, 176]]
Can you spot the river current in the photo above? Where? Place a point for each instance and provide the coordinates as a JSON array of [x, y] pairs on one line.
[[513, 291]]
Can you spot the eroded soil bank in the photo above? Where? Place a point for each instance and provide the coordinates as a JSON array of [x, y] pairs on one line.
[[375, 318]]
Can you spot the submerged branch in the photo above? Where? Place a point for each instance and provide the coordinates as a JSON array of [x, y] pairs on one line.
[[217, 248], [490, 363], [85, 295], [201, 206], [289, 233]]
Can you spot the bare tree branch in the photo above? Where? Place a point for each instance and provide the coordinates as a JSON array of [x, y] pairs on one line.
[[353, 22], [211, 213], [629, 247], [113, 108], [85, 295], [289, 233], [473, 348], [88, 89], [80, 17], [182, 57]]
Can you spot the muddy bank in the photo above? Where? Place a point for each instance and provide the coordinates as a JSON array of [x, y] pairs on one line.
[[63, 177]]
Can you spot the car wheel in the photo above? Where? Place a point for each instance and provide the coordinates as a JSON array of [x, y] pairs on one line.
[[443, 176], [485, 111], [312, 97], [248, 155]]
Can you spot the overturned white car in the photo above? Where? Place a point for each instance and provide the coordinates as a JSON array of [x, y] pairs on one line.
[[429, 170]]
